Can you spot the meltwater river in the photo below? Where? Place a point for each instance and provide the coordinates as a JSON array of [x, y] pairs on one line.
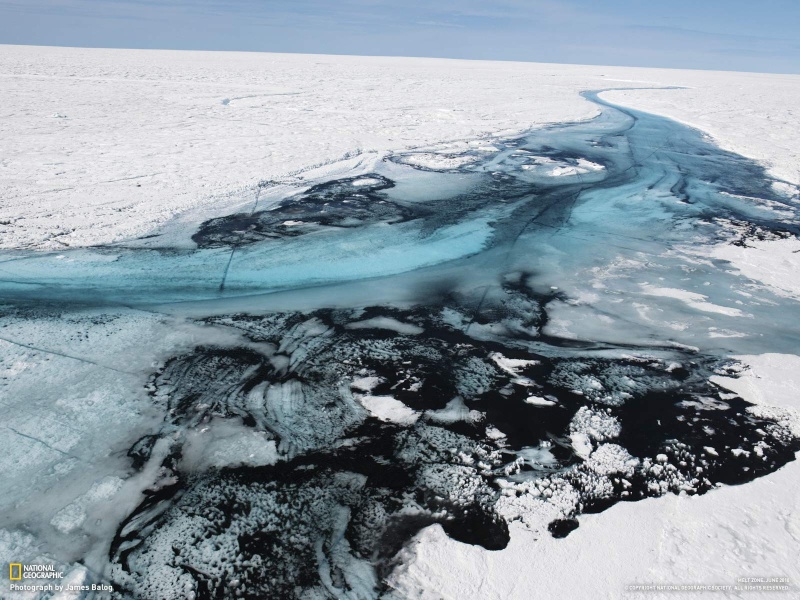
[[567, 205]]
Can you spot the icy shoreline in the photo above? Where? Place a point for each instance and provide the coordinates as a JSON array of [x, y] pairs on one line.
[[751, 530]]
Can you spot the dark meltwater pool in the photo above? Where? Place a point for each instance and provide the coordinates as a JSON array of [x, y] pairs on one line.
[[519, 332]]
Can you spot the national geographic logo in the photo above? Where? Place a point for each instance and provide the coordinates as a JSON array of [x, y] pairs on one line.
[[19, 572], [33, 578]]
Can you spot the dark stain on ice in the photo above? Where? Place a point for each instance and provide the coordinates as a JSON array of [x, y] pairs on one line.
[[343, 203], [561, 528]]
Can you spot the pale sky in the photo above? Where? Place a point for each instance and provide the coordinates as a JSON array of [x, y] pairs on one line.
[[704, 34]]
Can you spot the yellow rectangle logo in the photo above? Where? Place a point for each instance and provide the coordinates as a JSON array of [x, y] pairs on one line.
[[11, 568]]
